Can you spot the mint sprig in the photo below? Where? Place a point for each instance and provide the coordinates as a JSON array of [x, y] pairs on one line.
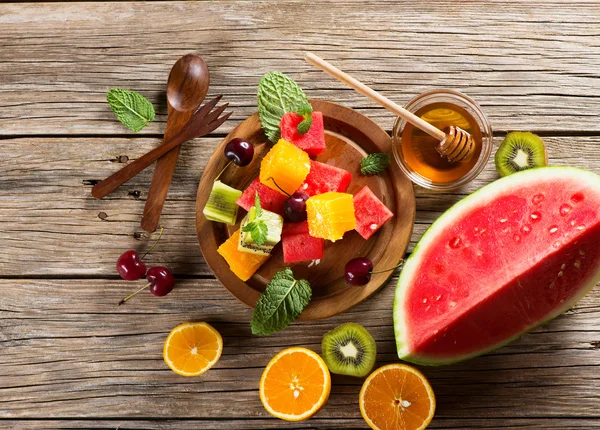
[[278, 94], [258, 228], [374, 164], [282, 302], [306, 111], [131, 108]]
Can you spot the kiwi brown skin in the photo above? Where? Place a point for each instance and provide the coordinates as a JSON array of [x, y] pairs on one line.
[[520, 151], [349, 349]]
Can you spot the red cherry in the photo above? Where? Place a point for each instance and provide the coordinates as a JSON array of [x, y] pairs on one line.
[[161, 280], [130, 266]]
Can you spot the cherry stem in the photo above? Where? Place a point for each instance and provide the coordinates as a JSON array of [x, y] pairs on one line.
[[387, 270], [280, 189], [133, 294], [224, 168], [155, 242]]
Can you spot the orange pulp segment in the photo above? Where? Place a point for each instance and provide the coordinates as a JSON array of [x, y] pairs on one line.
[[192, 348], [295, 384], [287, 164], [330, 215], [243, 264], [397, 397]]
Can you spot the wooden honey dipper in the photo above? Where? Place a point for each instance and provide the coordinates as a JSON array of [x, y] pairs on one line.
[[456, 144]]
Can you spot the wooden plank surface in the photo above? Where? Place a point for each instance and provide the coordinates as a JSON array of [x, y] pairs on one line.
[[57, 61], [70, 351], [48, 216], [72, 359]]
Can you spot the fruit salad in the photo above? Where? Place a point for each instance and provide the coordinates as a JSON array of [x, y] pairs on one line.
[[295, 199]]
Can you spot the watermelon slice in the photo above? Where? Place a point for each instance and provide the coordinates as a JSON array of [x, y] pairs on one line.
[[298, 245], [511, 256], [370, 212], [270, 199], [313, 141], [324, 178]]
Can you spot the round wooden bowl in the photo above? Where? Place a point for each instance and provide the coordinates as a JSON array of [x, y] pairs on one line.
[[349, 137]]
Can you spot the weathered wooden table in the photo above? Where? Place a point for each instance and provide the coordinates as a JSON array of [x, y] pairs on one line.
[[71, 358]]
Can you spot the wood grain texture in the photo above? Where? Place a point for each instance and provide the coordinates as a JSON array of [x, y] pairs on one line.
[[72, 359], [77, 354], [48, 216], [531, 65]]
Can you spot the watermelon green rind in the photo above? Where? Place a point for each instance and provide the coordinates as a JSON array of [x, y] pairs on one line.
[[478, 198]]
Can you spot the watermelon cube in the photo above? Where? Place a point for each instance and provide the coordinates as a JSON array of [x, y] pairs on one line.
[[370, 212], [313, 141], [324, 178], [270, 199], [299, 245]]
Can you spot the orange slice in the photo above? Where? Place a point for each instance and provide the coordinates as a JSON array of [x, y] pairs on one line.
[[192, 348], [295, 384], [397, 397]]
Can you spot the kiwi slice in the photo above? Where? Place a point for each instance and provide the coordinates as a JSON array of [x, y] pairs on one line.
[[520, 150], [274, 224], [221, 205], [349, 350]]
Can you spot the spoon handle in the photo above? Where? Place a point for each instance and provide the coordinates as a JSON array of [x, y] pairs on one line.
[[374, 95], [163, 172]]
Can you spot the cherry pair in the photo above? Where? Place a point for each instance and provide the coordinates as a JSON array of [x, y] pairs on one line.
[[131, 268]]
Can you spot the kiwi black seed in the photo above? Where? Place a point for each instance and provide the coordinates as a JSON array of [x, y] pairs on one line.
[[349, 350], [520, 151]]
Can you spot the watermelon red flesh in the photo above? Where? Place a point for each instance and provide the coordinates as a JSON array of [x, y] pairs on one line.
[[270, 199], [370, 212], [324, 178], [502, 261], [313, 141], [298, 245]]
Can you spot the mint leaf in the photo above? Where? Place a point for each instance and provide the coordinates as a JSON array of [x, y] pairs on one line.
[[306, 112], [277, 95], [374, 164], [257, 205], [282, 302], [258, 231], [258, 228], [304, 126], [131, 108]]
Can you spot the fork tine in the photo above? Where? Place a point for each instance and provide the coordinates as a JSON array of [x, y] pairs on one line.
[[207, 107], [215, 114], [217, 123]]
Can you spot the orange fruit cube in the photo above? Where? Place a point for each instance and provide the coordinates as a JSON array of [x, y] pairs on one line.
[[192, 348], [243, 264], [397, 393], [295, 384], [287, 164], [330, 215]]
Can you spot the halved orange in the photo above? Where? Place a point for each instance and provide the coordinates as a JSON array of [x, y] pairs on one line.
[[295, 384], [397, 397], [192, 348]]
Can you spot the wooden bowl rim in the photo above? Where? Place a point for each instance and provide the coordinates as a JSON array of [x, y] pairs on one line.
[[320, 307]]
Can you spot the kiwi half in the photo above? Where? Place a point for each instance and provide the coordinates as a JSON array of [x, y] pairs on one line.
[[520, 150], [349, 350]]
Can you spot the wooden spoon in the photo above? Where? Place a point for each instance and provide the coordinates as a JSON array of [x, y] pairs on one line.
[[455, 143], [186, 88]]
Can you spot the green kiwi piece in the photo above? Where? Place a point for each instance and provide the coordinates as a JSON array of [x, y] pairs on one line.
[[520, 150], [349, 350], [221, 205]]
